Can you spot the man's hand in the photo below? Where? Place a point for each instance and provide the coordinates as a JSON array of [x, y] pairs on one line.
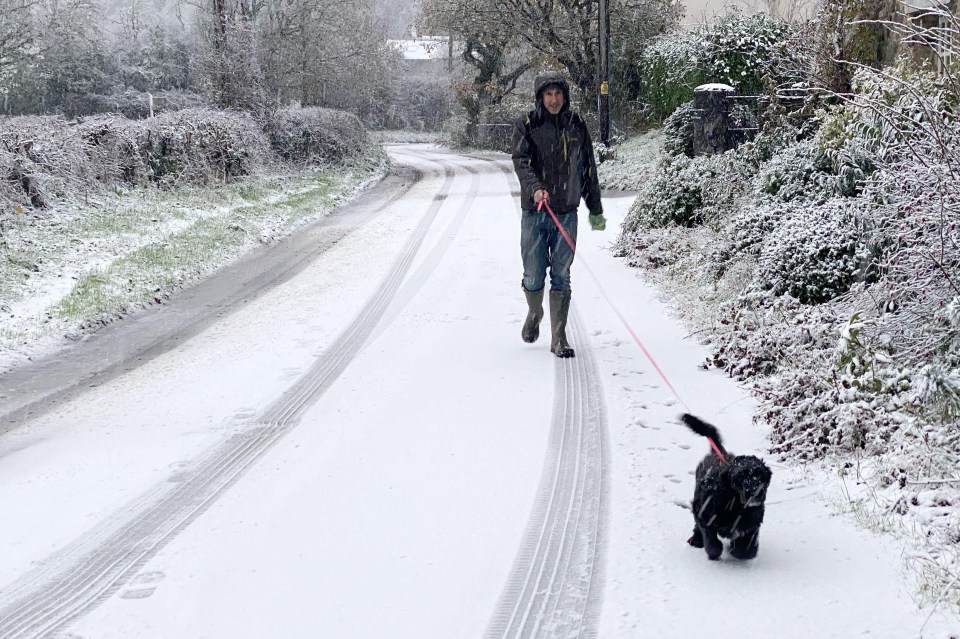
[[538, 195], [597, 221]]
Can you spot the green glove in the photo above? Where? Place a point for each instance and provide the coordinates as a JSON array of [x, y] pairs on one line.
[[597, 221]]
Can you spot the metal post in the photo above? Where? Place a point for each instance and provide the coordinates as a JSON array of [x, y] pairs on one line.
[[603, 97]]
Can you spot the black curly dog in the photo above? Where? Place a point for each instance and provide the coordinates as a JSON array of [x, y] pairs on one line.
[[728, 498]]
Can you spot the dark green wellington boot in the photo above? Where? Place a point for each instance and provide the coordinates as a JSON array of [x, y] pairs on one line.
[[559, 307], [531, 327]]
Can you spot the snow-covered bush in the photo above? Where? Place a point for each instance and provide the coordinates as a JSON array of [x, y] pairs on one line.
[[807, 172], [692, 191], [46, 160], [745, 344], [892, 115], [741, 49], [311, 135], [114, 146], [678, 130], [816, 254], [669, 72], [673, 195], [744, 235], [735, 49], [202, 146]]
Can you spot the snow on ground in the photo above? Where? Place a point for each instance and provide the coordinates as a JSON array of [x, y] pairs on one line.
[[396, 506]]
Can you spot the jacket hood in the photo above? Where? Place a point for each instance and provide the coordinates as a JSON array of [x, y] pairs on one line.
[[548, 78]]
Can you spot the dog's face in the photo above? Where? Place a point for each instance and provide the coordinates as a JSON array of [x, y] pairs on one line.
[[749, 477]]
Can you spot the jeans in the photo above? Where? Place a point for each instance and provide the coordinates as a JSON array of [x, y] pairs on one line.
[[542, 247]]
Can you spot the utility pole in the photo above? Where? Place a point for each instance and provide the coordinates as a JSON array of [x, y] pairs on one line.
[[603, 97]]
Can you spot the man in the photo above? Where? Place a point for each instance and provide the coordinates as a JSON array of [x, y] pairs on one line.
[[553, 158]]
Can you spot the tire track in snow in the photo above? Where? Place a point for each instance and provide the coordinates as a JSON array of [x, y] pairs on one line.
[[94, 567], [432, 259], [555, 585]]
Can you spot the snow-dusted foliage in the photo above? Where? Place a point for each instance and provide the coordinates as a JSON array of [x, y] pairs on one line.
[[674, 194], [807, 172], [829, 280], [746, 231], [312, 135], [736, 49], [678, 130], [200, 146], [43, 159], [740, 50], [816, 254], [669, 72], [691, 191], [48, 159]]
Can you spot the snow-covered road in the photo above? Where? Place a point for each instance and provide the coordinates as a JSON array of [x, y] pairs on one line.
[[368, 450]]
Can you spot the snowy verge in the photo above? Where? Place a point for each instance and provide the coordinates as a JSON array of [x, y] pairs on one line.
[[824, 389], [92, 265]]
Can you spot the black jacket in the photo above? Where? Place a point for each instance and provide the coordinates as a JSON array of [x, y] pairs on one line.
[[554, 152]]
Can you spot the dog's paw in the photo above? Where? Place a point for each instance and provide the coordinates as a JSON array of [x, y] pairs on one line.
[[744, 551], [713, 547], [696, 541]]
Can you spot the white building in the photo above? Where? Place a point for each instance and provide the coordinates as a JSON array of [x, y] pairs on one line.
[[427, 55]]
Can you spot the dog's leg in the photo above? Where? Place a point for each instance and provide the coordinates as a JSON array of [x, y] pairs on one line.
[[746, 547], [696, 540], [711, 543]]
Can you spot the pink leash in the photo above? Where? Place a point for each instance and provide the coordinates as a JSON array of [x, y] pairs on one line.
[[566, 236]]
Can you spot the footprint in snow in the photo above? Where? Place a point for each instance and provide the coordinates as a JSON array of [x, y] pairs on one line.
[[142, 585]]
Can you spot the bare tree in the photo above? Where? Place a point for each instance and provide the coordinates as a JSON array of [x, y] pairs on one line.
[[563, 34], [491, 47], [326, 52], [18, 30]]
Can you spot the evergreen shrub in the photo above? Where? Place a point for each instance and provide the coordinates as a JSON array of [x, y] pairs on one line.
[[735, 49], [816, 254], [678, 130]]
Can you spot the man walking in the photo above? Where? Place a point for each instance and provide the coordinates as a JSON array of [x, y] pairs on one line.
[[553, 158]]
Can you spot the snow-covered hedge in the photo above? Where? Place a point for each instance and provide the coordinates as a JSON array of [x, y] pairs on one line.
[[43, 159], [312, 135], [200, 146], [46, 159]]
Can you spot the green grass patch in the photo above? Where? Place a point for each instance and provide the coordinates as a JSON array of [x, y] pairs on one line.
[[204, 229]]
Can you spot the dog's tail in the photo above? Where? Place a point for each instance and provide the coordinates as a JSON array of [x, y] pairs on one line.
[[709, 431]]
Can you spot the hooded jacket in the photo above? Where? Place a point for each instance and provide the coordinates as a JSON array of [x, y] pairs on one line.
[[555, 153]]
